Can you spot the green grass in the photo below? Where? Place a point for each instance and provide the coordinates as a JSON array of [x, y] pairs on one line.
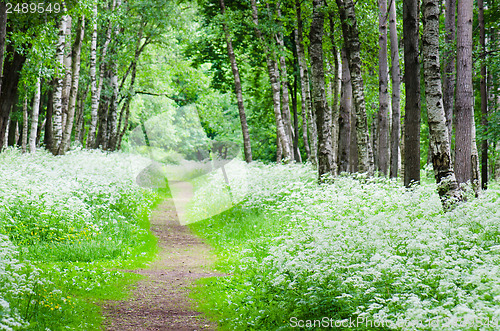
[[356, 247], [70, 225]]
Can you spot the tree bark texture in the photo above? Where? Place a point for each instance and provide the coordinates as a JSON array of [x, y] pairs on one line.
[[320, 106], [305, 88], [24, 136], [383, 91], [484, 96], [3, 33], [58, 87], [34, 117], [438, 132], [272, 68], [237, 87], [304, 106], [449, 64], [396, 83], [412, 86], [352, 45], [335, 91], [345, 117], [93, 83], [464, 93], [75, 79], [67, 63]]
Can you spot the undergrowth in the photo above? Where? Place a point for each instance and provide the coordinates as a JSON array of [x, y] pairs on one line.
[[66, 225], [357, 252]]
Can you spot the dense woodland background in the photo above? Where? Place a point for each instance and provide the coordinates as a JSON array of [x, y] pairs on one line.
[[386, 87]]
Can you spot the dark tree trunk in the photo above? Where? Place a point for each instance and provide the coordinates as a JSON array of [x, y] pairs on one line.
[[464, 94], [412, 86], [11, 71], [298, 157], [48, 137], [345, 117], [449, 65], [484, 97], [383, 112], [353, 46], [3, 31], [237, 89], [320, 106], [396, 80]]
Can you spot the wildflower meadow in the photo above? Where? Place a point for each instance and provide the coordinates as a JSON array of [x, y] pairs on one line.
[[357, 252], [66, 224]]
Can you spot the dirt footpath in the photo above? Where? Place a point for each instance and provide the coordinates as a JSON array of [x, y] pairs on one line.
[[160, 301]]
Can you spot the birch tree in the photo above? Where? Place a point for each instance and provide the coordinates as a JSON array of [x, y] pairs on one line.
[[34, 116], [396, 82], [438, 133], [352, 45], [93, 81], [237, 86], [383, 91], [345, 117], [449, 64], [58, 87], [320, 106], [273, 72], [75, 78]]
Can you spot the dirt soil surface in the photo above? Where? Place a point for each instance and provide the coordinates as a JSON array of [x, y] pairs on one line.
[[160, 301]]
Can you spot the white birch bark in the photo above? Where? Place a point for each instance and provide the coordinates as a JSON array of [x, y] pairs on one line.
[[34, 117], [58, 87], [24, 138], [93, 82]]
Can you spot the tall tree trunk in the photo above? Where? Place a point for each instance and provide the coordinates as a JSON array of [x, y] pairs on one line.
[[320, 106], [345, 117], [58, 87], [237, 87], [374, 139], [396, 80], [335, 91], [34, 117], [298, 157], [484, 97], [93, 83], [48, 136], [79, 115], [67, 62], [111, 132], [464, 94], [285, 100], [8, 97], [438, 133], [307, 115], [303, 104], [412, 86], [103, 110], [475, 172], [449, 64], [103, 117], [352, 45], [3, 33], [383, 90], [75, 79], [272, 68], [24, 136]]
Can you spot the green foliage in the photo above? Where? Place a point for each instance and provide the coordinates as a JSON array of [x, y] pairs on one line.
[[68, 224], [356, 247]]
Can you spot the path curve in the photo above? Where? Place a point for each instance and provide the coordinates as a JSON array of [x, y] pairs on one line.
[[160, 301]]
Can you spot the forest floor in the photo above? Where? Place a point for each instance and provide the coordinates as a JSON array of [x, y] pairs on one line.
[[161, 300]]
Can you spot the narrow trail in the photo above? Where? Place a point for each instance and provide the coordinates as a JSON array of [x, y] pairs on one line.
[[160, 301]]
